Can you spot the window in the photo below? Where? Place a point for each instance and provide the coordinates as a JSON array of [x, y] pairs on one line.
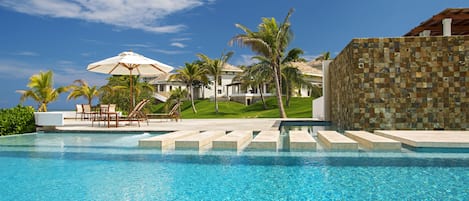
[[219, 81], [219, 91], [161, 87]]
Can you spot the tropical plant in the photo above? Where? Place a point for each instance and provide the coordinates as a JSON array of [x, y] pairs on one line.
[[293, 78], [117, 91], [256, 76], [176, 96], [19, 119], [82, 89], [190, 74], [324, 56], [214, 68], [42, 90], [270, 42]]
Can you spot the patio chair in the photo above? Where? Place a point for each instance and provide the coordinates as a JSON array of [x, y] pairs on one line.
[[136, 114], [173, 114], [104, 114], [88, 112], [79, 111]]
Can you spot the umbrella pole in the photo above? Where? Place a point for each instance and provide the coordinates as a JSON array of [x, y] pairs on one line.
[[131, 91]]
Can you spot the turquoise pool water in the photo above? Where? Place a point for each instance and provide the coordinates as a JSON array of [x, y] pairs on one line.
[[112, 167]]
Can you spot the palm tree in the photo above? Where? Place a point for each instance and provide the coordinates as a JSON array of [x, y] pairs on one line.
[[214, 68], [257, 76], [270, 42], [41, 90], [177, 95], [324, 56], [82, 89], [293, 78], [117, 91], [191, 73]]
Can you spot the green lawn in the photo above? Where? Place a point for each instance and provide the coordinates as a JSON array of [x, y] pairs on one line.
[[299, 108]]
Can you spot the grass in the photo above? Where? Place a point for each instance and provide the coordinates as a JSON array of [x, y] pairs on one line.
[[299, 108]]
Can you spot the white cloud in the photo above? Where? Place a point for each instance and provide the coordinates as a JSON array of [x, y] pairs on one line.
[[246, 60], [176, 44], [181, 39], [311, 57], [147, 15], [170, 52], [27, 53], [62, 76], [136, 45]]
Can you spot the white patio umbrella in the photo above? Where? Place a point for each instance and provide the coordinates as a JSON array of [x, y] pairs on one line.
[[129, 63]]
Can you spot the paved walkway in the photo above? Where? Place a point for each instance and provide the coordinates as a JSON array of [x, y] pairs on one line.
[[255, 124]]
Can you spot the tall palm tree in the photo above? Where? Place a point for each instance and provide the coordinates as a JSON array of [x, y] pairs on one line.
[[270, 42], [191, 73], [324, 56], [257, 76], [42, 90], [176, 95], [214, 68], [82, 89], [293, 78]]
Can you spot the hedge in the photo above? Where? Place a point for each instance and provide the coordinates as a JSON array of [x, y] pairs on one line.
[[17, 120]]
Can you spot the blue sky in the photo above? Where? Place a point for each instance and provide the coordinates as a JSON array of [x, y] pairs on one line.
[[65, 36]]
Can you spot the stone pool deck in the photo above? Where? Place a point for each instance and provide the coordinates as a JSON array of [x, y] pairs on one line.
[[431, 139]]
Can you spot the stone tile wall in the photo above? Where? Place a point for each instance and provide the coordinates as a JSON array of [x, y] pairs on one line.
[[401, 83]]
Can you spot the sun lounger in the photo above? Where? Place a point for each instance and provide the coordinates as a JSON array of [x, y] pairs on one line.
[[234, 140], [165, 141], [197, 141], [374, 142], [301, 141], [333, 140], [173, 114]]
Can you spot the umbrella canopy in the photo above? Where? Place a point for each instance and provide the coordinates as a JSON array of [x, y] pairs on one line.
[[129, 63]]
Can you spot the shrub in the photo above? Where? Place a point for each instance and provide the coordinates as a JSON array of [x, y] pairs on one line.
[[17, 120]]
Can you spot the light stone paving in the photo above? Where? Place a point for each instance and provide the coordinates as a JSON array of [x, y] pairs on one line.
[[333, 140], [197, 141], [302, 141], [374, 142], [255, 124], [235, 140], [266, 140], [433, 139], [165, 141]]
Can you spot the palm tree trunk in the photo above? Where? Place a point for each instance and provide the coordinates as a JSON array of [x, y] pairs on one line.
[[216, 103], [262, 97], [288, 95], [279, 94], [192, 98]]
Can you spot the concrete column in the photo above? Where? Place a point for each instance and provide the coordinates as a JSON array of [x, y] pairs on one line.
[[326, 90], [447, 27]]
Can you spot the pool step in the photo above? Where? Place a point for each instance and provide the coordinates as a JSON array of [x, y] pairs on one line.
[[235, 140], [165, 141], [333, 140], [197, 141], [266, 140], [301, 141], [374, 142]]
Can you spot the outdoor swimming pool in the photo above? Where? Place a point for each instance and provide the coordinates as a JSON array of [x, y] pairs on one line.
[[80, 166]]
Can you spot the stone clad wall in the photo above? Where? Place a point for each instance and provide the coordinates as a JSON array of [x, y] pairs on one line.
[[401, 83]]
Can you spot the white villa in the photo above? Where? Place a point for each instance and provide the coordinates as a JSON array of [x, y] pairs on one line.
[[230, 89]]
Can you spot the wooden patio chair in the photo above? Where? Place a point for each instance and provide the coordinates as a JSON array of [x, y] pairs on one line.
[[136, 114], [173, 114]]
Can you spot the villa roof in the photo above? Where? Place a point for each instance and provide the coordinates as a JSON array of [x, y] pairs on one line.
[[230, 68], [459, 24], [313, 68]]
